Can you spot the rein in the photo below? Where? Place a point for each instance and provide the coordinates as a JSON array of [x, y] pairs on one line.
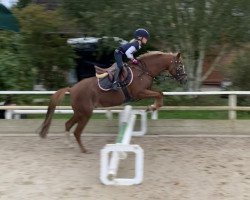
[[143, 68]]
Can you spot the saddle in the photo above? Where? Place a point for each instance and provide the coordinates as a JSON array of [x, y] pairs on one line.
[[105, 77], [103, 72]]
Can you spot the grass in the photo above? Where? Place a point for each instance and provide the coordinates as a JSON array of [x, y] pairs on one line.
[[210, 100], [193, 115], [201, 115]]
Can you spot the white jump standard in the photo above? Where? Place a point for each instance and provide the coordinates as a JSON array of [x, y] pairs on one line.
[[109, 167]]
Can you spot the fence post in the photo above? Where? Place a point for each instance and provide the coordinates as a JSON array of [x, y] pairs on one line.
[[154, 115], [9, 114], [232, 103]]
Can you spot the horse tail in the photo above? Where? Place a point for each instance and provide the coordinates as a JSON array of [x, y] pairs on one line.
[[54, 101]]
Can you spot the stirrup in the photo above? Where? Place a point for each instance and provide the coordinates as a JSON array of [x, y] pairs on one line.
[[125, 65], [115, 85]]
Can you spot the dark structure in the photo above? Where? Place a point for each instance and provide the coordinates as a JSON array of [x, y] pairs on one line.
[[7, 20], [90, 51], [8, 101]]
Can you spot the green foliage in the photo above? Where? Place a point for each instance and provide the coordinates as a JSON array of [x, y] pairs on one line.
[[15, 65], [50, 55], [106, 47], [241, 72], [23, 3], [40, 54], [169, 21], [192, 27]]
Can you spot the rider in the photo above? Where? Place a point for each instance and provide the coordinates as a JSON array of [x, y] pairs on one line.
[[141, 36]]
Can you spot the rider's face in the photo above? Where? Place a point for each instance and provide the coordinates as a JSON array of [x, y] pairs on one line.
[[144, 40]]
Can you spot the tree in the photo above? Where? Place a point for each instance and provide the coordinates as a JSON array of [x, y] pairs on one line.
[[201, 25], [240, 71], [15, 65], [49, 53], [192, 27], [23, 3]]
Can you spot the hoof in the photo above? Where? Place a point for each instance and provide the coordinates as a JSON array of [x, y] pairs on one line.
[[88, 152], [151, 108], [70, 146], [85, 151]]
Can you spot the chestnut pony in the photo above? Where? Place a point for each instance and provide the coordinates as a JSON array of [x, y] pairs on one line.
[[85, 96]]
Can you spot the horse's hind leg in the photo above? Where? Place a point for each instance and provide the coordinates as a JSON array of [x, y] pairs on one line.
[[68, 125], [80, 126]]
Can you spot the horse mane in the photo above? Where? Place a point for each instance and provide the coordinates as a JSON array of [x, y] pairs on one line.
[[153, 53]]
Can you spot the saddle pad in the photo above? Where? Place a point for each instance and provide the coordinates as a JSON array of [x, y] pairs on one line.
[[105, 84]]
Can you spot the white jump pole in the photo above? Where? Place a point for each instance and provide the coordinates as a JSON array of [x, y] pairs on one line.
[[139, 164], [118, 151], [124, 138], [123, 126]]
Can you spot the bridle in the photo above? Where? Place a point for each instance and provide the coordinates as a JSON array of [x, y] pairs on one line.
[[179, 70], [177, 65]]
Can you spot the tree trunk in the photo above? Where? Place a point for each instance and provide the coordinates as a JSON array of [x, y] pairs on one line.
[[215, 63], [199, 70]]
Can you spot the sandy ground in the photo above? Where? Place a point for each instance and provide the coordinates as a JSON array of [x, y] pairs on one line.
[[175, 169]]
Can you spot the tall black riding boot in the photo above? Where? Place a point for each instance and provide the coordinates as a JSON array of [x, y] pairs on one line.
[[116, 77]]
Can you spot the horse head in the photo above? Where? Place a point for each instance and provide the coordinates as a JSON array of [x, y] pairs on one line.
[[177, 69], [155, 62]]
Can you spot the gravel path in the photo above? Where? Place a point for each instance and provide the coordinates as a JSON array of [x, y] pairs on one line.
[[175, 169]]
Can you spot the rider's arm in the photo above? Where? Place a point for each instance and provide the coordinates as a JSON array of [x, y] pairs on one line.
[[130, 51]]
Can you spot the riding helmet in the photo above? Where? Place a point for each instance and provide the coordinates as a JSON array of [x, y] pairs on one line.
[[140, 32]]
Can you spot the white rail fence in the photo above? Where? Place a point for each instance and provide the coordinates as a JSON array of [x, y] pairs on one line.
[[232, 107]]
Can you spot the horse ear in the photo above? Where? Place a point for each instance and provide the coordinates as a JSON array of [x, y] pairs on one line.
[[178, 55]]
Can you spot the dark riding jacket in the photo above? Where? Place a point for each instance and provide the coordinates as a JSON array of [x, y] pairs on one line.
[[129, 49]]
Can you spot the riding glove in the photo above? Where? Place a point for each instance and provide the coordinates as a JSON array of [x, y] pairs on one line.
[[134, 61]]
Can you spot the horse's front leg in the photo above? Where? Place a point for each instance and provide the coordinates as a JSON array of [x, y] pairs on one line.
[[152, 94]]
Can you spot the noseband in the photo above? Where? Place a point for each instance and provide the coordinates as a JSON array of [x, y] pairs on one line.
[[179, 70]]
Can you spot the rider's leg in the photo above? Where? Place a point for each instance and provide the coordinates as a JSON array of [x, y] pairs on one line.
[[116, 75], [119, 62]]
